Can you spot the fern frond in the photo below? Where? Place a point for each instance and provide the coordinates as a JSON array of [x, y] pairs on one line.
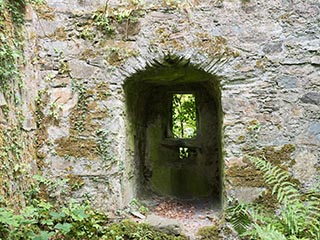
[[268, 233], [299, 215], [294, 218], [285, 191], [313, 217], [296, 238], [239, 217]]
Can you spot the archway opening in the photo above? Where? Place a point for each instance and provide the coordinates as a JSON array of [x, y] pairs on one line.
[[174, 114]]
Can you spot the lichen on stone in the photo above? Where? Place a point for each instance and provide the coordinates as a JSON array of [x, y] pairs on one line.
[[44, 11], [119, 52], [214, 46], [60, 34], [75, 182]]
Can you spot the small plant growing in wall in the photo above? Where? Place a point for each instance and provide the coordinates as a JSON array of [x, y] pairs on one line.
[[54, 110], [102, 22], [82, 105], [103, 148], [172, 3]]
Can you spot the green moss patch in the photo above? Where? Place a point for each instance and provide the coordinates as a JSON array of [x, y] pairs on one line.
[[247, 175], [74, 181], [279, 157], [77, 147], [133, 231], [88, 54], [208, 233], [267, 199], [119, 52]]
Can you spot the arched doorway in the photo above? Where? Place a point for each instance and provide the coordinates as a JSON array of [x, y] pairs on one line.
[[186, 165]]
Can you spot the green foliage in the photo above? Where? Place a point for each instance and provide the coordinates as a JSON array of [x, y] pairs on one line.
[[297, 217], [172, 3], [41, 219], [107, 20], [184, 116], [279, 179], [136, 2], [239, 216], [54, 110], [122, 14], [8, 69], [103, 22], [16, 9]]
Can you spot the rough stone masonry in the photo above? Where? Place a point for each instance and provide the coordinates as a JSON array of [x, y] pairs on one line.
[[265, 56]]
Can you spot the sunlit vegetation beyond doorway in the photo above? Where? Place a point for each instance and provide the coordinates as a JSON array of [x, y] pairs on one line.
[[184, 117]]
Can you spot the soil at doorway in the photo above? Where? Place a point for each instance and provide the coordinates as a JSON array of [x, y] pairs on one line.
[[190, 215]]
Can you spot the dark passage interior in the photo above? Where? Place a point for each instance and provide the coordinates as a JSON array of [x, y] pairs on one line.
[[174, 112]]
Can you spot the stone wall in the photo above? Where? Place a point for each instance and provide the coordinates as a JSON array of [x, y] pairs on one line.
[[266, 55], [17, 159]]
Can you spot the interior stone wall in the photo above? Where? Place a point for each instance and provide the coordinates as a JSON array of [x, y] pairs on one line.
[[266, 55]]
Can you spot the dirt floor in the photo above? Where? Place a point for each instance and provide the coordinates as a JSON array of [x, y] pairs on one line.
[[190, 215]]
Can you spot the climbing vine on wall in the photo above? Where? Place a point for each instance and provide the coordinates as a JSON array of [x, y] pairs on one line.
[[11, 46], [15, 155]]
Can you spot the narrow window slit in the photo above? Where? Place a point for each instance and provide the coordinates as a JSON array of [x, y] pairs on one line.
[[184, 117]]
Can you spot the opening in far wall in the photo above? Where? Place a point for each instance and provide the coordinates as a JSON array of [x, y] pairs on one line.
[[183, 116], [174, 114]]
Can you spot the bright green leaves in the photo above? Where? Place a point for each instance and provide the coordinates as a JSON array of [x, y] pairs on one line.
[[57, 215], [296, 218], [7, 218], [184, 117], [42, 221], [44, 235], [64, 227]]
